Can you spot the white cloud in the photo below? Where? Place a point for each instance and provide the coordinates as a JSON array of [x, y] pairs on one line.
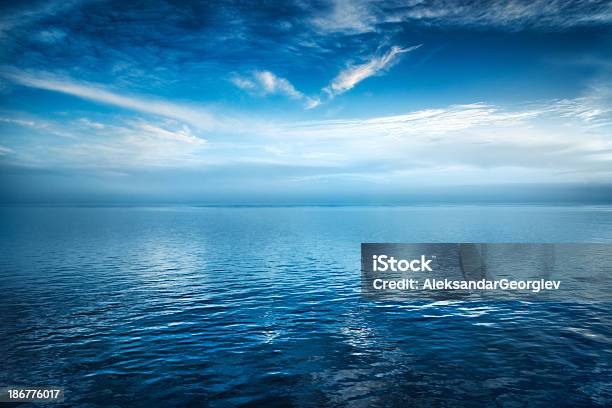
[[243, 83], [182, 134], [468, 143], [567, 138], [20, 122], [594, 108], [197, 117], [134, 144], [512, 14], [361, 16], [531, 140], [346, 16], [351, 76], [271, 84], [444, 122], [5, 150], [312, 102], [88, 123], [267, 83]]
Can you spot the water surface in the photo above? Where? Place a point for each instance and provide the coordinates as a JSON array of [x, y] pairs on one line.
[[248, 306]]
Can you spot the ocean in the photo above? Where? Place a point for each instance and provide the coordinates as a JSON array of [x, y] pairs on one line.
[[261, 306]]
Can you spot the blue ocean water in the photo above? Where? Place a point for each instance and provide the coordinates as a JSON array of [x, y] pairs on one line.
[[261, 306]]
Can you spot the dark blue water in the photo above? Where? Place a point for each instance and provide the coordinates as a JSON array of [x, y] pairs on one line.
[[262, 307]]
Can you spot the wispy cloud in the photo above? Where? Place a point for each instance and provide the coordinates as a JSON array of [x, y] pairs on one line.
[[267, 83], [530, 141], [181, 134], [5, 150], [91, 124], [593, 108], [244, 83], [558, 136], [20, 122], [120, 145], [197, 117], [536, 141], [364, 16], [345, 16], [512, 14], [22, 16], [273, 84], [351, 76]]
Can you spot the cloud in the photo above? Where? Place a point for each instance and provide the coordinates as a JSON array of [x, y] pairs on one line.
[[52, 36], [351, 76], [365, 16], [594, 108], [272, 84], [510, 14], [23, 16], [182, 134], [20, 122], [5, 150], [537, 142], [428, 123], [192, 115], [345, 16], [533, 141], [267, 83], [557, 137], [88, 123], [243, 83], [123, 146]]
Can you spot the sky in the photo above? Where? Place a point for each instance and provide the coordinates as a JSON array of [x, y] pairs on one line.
[[290, 102]]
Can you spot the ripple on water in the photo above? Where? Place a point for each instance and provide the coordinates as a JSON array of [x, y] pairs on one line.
[[261, 307]]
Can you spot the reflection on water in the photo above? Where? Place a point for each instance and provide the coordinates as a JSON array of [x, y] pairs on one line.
[[262, 307]]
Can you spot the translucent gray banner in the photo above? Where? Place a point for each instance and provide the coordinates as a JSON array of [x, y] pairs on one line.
[[571, 272]]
